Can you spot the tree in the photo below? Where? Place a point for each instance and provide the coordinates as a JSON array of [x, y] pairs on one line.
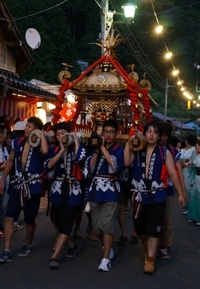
[[56, 41]]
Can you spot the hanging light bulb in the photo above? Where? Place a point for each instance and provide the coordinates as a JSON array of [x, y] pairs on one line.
[[175, 72], [159, 29], [168, 55], [187, 95], [180, 82]]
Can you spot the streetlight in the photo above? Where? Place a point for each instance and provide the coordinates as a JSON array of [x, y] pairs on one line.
[[129, 10], [107, 18]]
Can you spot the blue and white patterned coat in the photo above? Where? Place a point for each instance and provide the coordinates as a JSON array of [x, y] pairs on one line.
[[28, 180], [59, 173], [105, 186]]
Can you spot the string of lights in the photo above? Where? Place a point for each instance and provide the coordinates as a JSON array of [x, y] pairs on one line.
[[133, 47], [169, 56]]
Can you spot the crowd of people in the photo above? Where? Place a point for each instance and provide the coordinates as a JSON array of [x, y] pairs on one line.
[[191, 170], [100, 178]]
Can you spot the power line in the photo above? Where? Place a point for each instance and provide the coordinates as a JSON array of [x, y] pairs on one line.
[[134, 45], [16, 5], [177, 8], [42, 11]]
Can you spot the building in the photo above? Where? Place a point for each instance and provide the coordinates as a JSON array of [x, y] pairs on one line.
[[18, 97]]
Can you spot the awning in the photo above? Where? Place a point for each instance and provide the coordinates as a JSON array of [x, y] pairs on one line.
[[12, 83], [18, 109]]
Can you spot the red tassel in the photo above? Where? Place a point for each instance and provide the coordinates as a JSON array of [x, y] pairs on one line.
[[164, 176], [76, 172]]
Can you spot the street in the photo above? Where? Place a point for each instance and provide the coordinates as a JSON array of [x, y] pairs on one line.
[[32, 272]]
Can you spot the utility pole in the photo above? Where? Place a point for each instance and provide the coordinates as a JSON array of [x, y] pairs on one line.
[[106, 22], [107, 18], [166, 98], [104, 9]]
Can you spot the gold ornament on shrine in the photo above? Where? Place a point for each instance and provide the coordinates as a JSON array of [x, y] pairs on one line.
[[64, 74]]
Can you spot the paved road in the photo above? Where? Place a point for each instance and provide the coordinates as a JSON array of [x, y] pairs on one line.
[[181, 272]]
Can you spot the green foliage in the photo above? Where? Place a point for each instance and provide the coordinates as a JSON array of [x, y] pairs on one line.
[[56, 39]]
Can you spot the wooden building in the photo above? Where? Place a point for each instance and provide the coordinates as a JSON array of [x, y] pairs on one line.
[[18, 97]]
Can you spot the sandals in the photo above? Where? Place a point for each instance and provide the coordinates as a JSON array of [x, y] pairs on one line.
[[77, 234], [122, 240], [54, 264], [133, 240]]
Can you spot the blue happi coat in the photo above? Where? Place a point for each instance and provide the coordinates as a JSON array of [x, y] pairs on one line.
[[105, 186], [27, 181], [150, 189], [60, 175]]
